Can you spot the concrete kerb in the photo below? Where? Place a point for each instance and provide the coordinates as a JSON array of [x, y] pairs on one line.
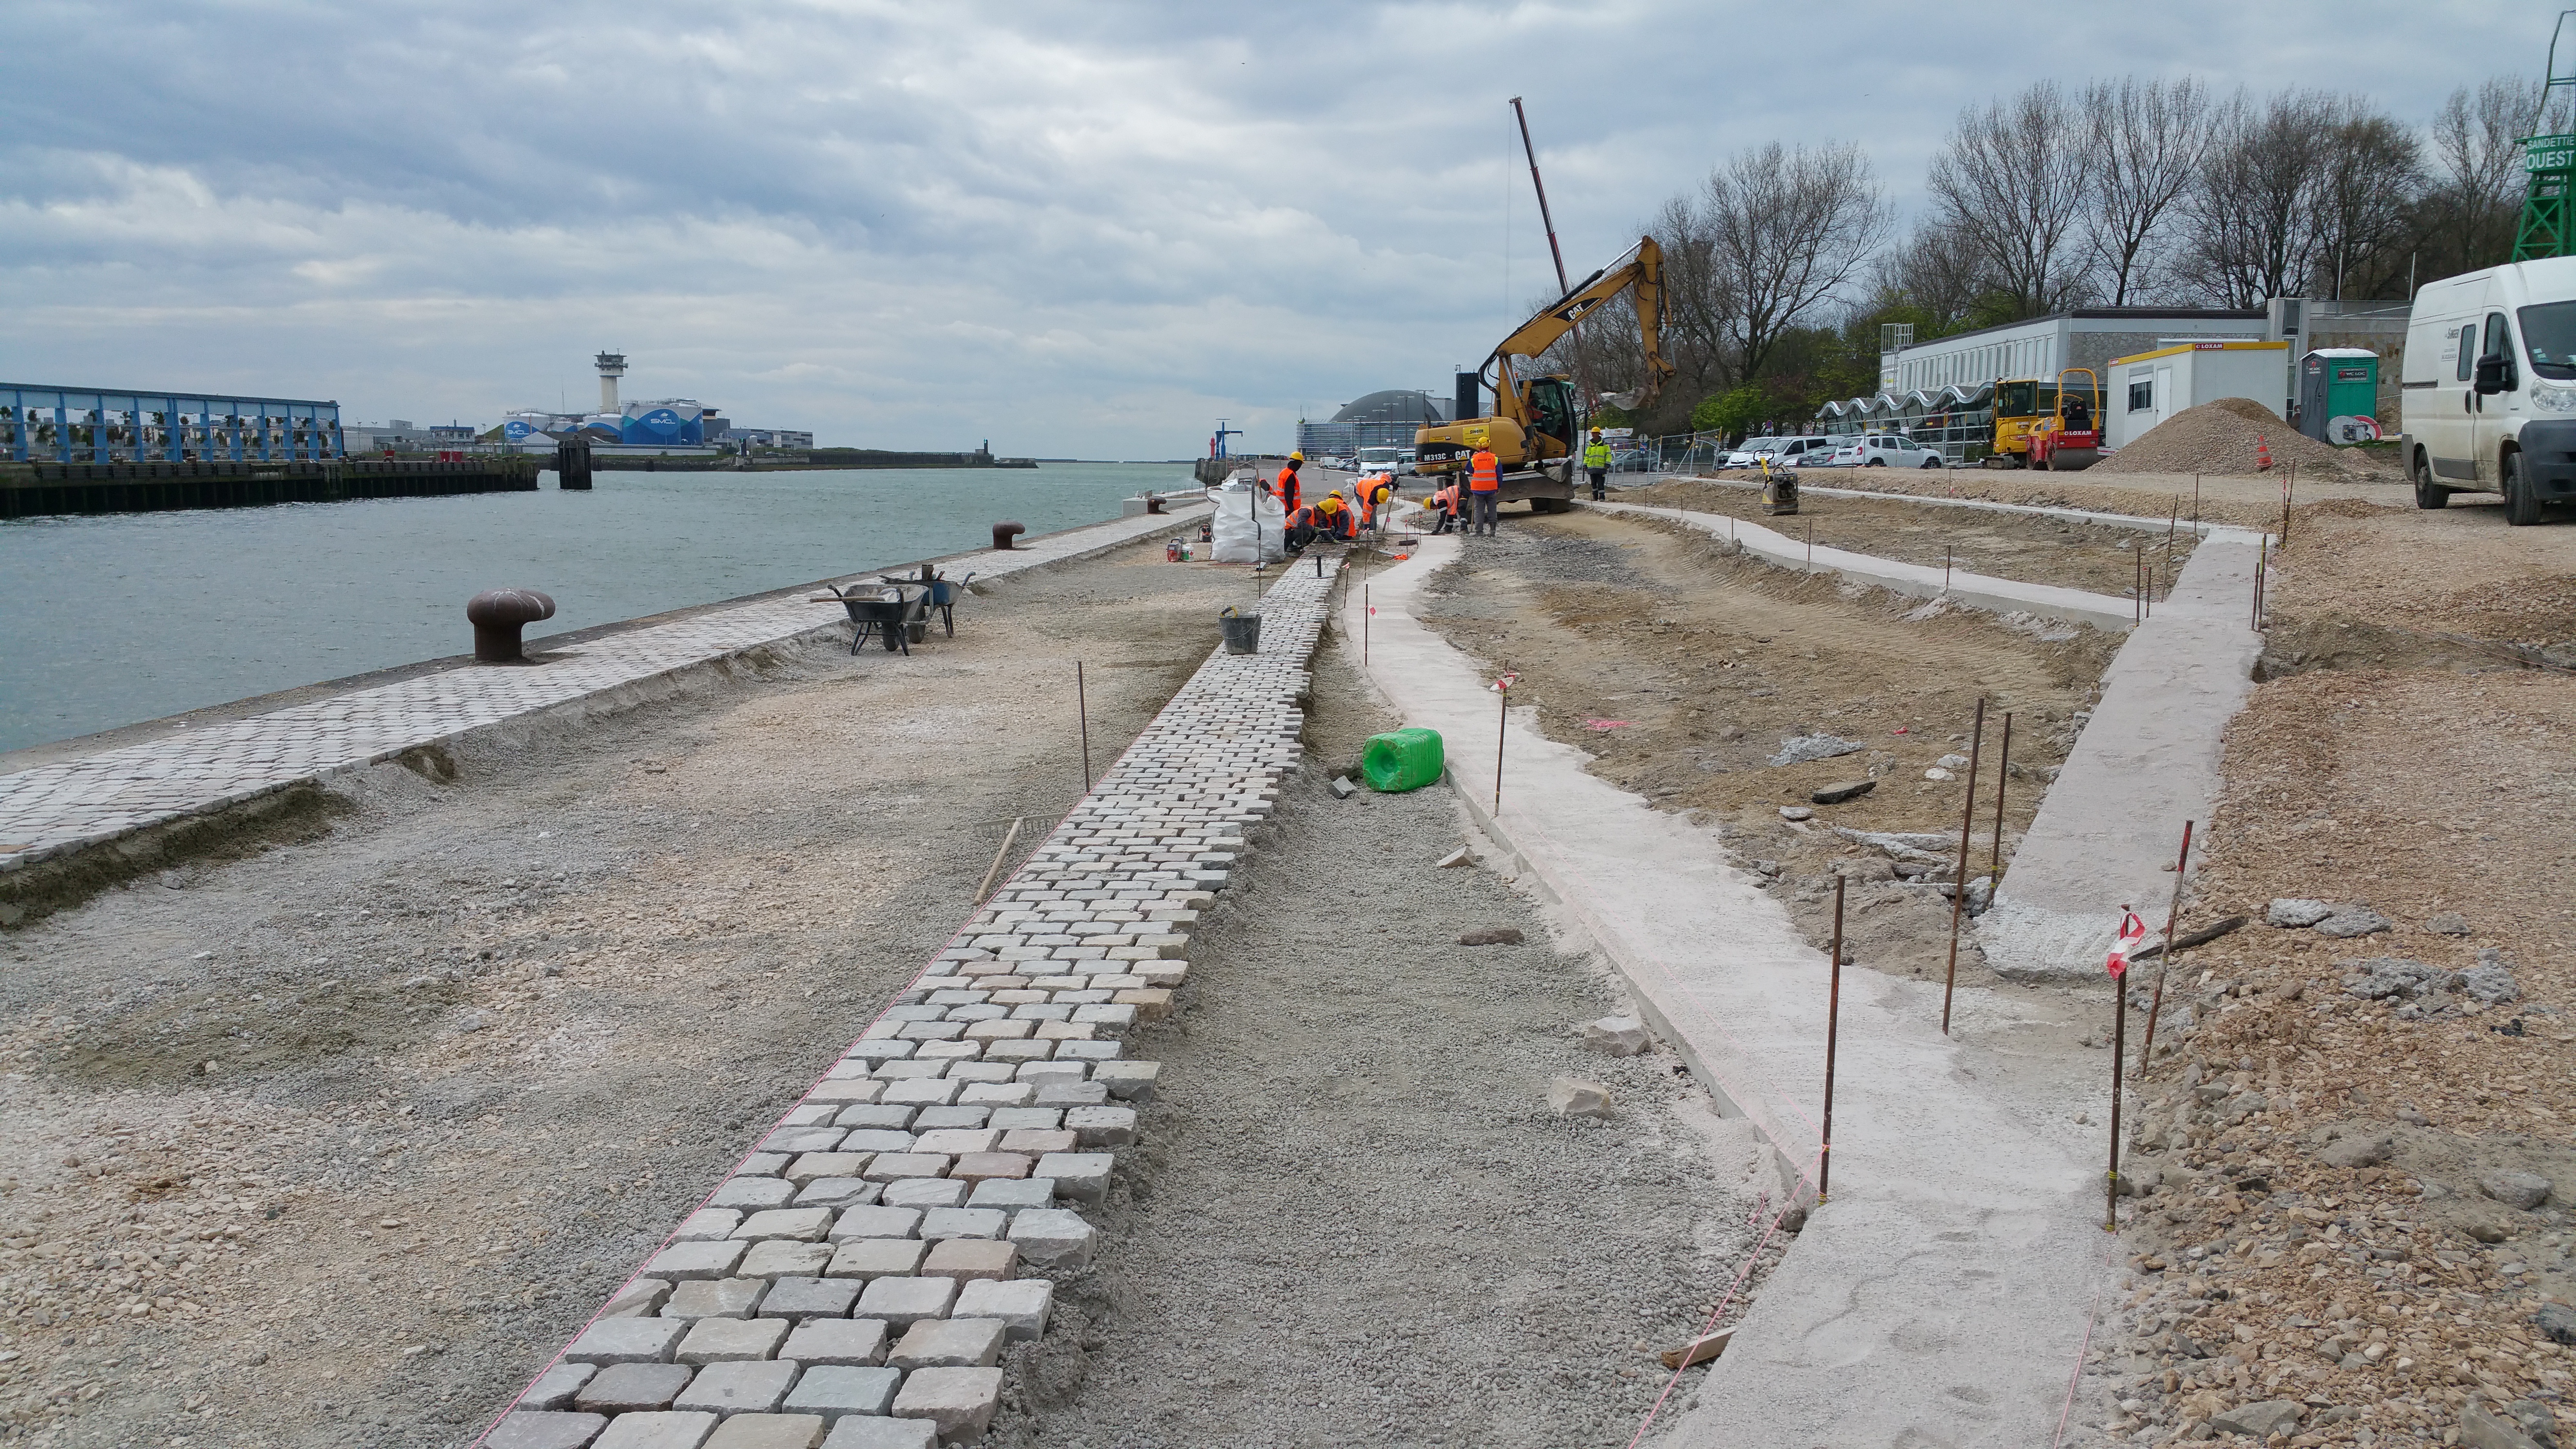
[[1962, 1243], [1092, 923], [627, 692], [2136, 521]]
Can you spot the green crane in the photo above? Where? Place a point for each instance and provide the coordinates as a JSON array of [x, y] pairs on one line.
[[2547, 228]]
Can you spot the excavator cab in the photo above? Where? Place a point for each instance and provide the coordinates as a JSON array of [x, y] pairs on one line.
[[1551, 413]]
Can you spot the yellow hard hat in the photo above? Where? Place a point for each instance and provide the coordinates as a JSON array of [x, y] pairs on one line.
[[1596, 432], [1297, 457]]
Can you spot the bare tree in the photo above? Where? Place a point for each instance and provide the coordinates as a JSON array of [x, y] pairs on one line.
[[1787, 230], [2475, 197], [2365, 194], [1935, 275], [2011, 183], [2252, 220], [2147, 143]]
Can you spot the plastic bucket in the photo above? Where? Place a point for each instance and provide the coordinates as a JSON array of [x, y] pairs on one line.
[[1242, 631]]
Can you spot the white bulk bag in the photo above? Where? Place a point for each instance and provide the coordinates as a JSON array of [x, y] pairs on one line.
[[1235, 520]]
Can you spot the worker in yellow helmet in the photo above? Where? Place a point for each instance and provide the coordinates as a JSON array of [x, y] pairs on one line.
[[1596, 463], [1285, 489]]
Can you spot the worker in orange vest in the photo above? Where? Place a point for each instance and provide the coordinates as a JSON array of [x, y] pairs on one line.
[[1285, 489], [1444, 501], [1333, 517], [1374, 493], [1301, 529], [1485, 488]]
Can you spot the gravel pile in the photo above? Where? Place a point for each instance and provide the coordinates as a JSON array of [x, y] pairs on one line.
[[2220, 437]]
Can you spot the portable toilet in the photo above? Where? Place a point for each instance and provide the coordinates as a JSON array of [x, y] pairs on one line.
[[2339, 395]]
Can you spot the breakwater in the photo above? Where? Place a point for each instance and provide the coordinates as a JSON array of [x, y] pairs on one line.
[[29, 490]]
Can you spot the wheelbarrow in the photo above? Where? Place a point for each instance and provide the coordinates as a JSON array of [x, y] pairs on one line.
[[944, 592], [887, 610]]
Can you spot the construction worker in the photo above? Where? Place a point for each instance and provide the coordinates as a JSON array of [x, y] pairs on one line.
[[1334, 517], [1374, 493], [1285, 489], [1301, 529], [1444, 501], [1596, 462], [1484, 490]]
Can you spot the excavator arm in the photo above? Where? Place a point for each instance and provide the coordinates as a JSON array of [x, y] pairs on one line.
[[1640, 272]]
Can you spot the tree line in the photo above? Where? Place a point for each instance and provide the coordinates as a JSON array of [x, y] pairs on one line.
[[1781, 264]]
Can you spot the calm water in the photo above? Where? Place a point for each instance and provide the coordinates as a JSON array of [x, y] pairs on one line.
[[129, 617]]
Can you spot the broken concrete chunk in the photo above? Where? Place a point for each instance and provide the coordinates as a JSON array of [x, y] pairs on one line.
[[1570, 1097], [2520, 1190], [1799, 749], [2295, 913], [1796, 812], [2351, 921], [1842, 790], [2448, 923], [1492, 936], [2484, 1428], [1462, 856], [2558, 1321], [2491, 980], [2359, 1150], [1620, 1036], [2386, 976], [1342, 787], [2261, 1420]]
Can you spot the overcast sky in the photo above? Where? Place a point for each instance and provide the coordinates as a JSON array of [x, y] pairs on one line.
[[1075, 229]]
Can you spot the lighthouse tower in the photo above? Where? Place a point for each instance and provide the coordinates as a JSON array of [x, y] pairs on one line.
[[612, 366]]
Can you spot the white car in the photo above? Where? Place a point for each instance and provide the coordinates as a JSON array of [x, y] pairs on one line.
[[1751, 453], [1799, 450], [1883, 450]]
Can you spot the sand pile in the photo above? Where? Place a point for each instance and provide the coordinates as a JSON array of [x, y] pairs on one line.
[[2219, 437]]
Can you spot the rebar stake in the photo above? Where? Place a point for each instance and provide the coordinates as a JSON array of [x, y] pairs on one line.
[[2003, 779], [2164, 964], [1959, 888], [1082, 711], [1833, 1022]]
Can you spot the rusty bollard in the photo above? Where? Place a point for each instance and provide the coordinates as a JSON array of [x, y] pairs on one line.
[[498, 615], [1004, 532]]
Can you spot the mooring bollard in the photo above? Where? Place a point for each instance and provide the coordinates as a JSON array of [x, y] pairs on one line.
[[498, 615], [1004, 532]]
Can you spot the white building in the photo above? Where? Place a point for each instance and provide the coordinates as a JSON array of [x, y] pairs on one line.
[[2149, 387]]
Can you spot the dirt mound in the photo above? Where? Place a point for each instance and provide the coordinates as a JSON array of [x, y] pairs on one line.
[[2220, 437]]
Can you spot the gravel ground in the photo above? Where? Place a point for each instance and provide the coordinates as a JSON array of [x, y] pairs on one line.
[[2221, 437], [2251, 500], [333, 1140], [1353, 1219]]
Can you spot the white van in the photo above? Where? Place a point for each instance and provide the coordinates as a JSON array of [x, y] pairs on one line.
[[2489, 395]]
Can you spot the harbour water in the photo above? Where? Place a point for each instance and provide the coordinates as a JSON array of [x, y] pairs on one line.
[[118, 618]]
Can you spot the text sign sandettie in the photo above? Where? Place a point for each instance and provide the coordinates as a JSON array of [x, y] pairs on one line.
[[2549, 153]]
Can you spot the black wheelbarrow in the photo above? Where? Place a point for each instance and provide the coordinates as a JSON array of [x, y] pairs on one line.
[[943, 593], [887, 610]]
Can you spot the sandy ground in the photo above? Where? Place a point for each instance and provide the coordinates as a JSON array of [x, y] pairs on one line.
[[1354, 1220], [335, 1143], [2253, 502], [1682, 668], [2101, 557]]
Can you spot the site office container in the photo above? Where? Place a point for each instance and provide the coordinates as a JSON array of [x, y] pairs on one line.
[[2148, 387], [2488, 396]]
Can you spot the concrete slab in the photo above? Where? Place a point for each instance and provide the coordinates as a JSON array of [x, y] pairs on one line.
[[1941, 1295]]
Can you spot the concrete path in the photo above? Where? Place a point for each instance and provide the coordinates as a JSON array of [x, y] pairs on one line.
[[1983, 591], [2147, 761], [1940, 1297], [65, 806]]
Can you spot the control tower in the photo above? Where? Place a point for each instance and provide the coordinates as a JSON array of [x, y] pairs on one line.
[[612, 366]]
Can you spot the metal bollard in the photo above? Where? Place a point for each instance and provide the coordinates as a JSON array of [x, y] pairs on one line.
[[1004, 532], [498, 615]]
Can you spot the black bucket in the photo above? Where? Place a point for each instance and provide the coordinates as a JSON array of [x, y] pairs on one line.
[[1242, 631]]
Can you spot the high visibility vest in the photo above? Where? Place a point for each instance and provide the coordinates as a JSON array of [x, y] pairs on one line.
[[1488, 473], [1286, 488], [1597, 456]]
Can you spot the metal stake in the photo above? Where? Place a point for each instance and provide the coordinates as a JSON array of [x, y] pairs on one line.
[[1082, 709], [1945, 568], [1833, 1022], [2003, 778], [1365, 611], [2119, 1051], [999, 856], [1959, 888], [2164, 965], [1502, 727]]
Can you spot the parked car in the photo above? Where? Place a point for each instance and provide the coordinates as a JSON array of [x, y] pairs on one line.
[[1795, 450], [1889, 450], [2489, 401], [1752, 452]]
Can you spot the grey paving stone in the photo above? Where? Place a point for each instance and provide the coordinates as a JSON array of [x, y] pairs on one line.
[[1039, 1141], [804, 1225], [877, 1139], [739, 1387], [1041, 1074], [889, 1116], [760, 1164], [800, 1299], [979, 1071], [555, 1387], [969, 1258], [849, 1342], [948, 1343], [963, 1114], [1094, 1052], [837, 1192], [997, 1094], [657, 1431], [1128, 1081], [627, 1340], [836, 1391], [963, 1222], [924, 1192], [1081, 1176], [731, 1340], [878, 1221], [983, 1166], [1009, 1195], [1073, 1094], [878, 1049], [917, 1069], [927, 1092], [869, 1258], [716, 1298], [1102, 1126], [850, 1161], [1019, 1051], [808, 1114], [801, 1139], [1052, 1237], [784, 1259], [685, 1262], [928, 1031], [861, 1432], [768, 1431], [539, 1429], [905, 1301], [753, 1193], [895, 1166], [626, 1388], [959, 1401], [845, 1091], [708, 1225], [1019, 1304], [1042, 1119], [640, 1298], [949, 1051]]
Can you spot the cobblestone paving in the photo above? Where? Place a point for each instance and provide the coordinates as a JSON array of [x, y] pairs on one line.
[[60, 807], [857, 1280]]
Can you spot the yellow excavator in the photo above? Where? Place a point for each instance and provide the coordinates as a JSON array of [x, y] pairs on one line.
[[1537, 420]]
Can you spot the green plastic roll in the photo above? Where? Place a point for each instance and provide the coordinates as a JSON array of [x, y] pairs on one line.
[[1407, 759]]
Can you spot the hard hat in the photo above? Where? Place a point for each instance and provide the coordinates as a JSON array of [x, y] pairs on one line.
[[1297, 457], [1596, 432]]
